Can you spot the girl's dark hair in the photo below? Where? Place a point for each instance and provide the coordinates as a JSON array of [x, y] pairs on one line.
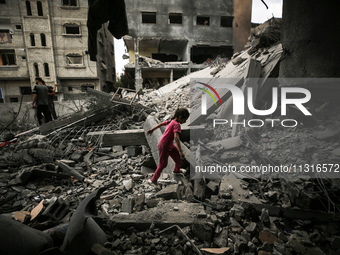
[[181, 112]]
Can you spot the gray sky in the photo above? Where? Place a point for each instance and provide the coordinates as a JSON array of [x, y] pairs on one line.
[[259, 14]]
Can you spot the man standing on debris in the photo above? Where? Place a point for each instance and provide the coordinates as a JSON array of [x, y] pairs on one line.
[[40, 98], [166, 145], [51, 93]]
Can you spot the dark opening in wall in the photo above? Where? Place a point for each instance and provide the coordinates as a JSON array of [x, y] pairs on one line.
[[2, 1], [36, 69], [203, 20], [70, 3], [205, 54], [47, 70], [28, 8], [5, 36], [227, 21], [72, 29], [25, 90], [7, 57], [149, 17], [43, 39], [164, 57], [18, 27], [40, 9], [32, 39], [175, 18], [13, 99], [84, 87]]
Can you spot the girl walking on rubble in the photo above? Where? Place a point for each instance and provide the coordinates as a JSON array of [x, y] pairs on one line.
[[166, 145]]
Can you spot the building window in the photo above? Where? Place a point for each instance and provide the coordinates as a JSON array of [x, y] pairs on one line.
[[40, 9], [43, 39], [13, 99], [1, 98], [149, 17], [2, 1], [28, 8], [175, 18], [84, 87], [203, 21], [226, 21], [5, 36], [74, 59], [36, 69], [25, 90], [32, 39], [70, 3], [18, 27], [70, 88], [47, 70], [72, 29], [7, 58]]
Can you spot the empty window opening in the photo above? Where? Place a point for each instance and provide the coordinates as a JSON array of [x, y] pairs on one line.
[[25, 90], [2, 1], [13, 99], [43, 39], [72, 29], [18, 27], [70, 2], [226, 21], [149, 17], [175, 18], [47, 70], [7, 57], [36, 69], [70, 88], [84, 87], [74, 59], [203, 21], [28, 8], [40, 9], [32, 39], [205, 54], [5, 36], [165, 57]]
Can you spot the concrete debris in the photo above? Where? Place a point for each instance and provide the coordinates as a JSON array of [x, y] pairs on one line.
[[84, 182]]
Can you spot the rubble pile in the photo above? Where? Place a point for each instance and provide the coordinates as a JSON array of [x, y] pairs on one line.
[[84, 188]]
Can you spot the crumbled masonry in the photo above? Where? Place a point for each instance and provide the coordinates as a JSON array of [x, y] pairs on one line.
[[88, 174]]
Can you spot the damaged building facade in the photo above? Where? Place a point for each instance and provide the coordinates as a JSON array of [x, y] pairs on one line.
[[49, 39], [182, 37]]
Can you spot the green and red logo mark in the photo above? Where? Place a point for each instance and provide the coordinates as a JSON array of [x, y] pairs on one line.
[[209, 93]]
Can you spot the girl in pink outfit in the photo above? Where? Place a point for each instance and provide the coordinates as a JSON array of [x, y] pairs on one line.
[[166, 145]]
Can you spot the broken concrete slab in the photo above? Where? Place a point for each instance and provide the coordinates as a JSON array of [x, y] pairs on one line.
[[228, 144], [231, 185], [170, 192], [162, 216]]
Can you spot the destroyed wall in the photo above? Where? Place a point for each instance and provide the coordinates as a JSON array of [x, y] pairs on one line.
[[310, 39]]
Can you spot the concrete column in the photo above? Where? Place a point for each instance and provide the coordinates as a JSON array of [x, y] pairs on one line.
[[171, 75], [310, 39], [138, 70]]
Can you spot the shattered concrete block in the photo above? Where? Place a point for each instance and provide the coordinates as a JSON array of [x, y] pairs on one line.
[[267, 237], [213, 186], [56, 209], [296, 246], [128, 184], [134, 151], [170, 192], [221, 240], [127, 205], [203, 231], [251, 228]]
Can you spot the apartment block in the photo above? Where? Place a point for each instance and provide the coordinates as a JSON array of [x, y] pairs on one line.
[[182, 36], [49, 38]]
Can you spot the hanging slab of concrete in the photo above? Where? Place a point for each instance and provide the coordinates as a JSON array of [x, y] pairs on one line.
[[163, 216]]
